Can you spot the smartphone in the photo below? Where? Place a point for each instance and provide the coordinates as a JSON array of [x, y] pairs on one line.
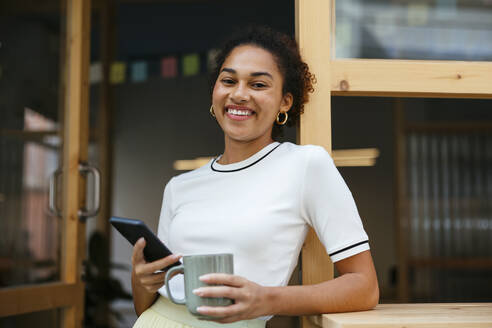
[[133, 230]]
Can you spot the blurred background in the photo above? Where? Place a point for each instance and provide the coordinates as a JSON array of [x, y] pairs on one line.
[[153, 111]]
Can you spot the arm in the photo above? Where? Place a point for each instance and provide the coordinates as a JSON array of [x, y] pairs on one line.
[[145, 280], [355, 290]]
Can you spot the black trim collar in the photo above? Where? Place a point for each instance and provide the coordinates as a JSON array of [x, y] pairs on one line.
[[245, 167]]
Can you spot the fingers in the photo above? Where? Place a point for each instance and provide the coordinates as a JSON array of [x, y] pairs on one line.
[[153, 288], [137, 255], [145, 274], [149, 268], [225, 312], [217, 291], [163, 263], [155, 278], [223, 279]]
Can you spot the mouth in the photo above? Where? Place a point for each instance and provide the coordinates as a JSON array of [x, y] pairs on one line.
[[236, 112]]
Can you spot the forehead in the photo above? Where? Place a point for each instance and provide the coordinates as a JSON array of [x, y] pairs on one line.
[[250, 58]]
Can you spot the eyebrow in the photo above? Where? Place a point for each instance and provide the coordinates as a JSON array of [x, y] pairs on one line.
[[230, 70]]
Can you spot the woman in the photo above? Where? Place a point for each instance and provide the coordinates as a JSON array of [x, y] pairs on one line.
[[257, 201]]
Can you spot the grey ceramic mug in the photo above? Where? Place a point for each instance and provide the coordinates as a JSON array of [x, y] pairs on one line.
[[193, 267]]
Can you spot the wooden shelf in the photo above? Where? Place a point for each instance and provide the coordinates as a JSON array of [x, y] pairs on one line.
[[341, 157], [355, 157], [413, 315], [190, 164]]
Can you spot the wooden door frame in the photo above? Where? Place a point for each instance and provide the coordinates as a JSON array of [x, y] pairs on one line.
[[68, 293], [315, 27]]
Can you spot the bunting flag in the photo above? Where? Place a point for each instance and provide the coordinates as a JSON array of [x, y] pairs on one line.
[[139, 71], [169, 67], [142, 69], [95, 73], [117, 73], [191, 64], [211, 56]]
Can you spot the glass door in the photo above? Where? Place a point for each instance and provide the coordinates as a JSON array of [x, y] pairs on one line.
[[43, 145]]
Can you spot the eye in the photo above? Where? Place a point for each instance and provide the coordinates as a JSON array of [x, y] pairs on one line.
[[227, 81], [258, 85]]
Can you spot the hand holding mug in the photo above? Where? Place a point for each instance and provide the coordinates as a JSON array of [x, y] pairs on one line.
[[250, 299], [193, 267]]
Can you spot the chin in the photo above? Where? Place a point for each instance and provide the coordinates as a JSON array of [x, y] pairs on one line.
[[241, 137]]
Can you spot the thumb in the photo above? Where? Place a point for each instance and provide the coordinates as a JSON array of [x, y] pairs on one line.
[[138, 256]]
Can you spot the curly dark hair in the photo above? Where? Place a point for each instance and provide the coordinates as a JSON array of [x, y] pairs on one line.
[[297, 79]]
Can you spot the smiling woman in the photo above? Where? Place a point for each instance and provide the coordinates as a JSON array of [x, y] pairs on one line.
[[257, 201]]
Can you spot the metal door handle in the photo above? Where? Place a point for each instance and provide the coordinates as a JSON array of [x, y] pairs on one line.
[[86, 213], [53, 191]]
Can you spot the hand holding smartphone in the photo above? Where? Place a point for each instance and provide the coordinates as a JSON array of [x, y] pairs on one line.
[[133, 230]]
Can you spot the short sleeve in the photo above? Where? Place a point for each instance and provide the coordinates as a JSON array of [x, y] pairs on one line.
[[166, 214], [328, 206]]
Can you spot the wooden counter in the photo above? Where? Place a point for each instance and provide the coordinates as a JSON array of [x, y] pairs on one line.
[[432, 315]]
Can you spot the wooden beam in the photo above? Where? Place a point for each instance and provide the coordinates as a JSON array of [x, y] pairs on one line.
[[315, 126], [313, 33], [105, 143], [19, 300], [75, 149], [411, 78]]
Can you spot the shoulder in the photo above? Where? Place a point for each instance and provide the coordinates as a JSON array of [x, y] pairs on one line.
[[308, 152]]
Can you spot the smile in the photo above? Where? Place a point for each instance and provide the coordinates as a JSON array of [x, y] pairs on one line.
[[238, 113]]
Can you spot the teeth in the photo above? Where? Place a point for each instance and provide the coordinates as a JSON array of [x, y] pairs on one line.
[[239, 112]]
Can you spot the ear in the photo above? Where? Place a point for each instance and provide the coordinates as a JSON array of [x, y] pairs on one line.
[[286, 103]]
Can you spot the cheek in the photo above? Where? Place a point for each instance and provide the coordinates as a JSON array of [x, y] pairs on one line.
[[218, 92], [271, 102]]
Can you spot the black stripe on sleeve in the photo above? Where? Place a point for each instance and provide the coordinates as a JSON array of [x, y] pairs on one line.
[[349, 247]]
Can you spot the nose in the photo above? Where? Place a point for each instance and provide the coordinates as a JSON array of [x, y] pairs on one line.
[[240, 93]]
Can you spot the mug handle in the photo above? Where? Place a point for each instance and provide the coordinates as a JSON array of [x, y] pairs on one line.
[[179, 268]]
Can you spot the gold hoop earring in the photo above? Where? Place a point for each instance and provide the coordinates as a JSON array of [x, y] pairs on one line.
[[212, 111], [284, 120]]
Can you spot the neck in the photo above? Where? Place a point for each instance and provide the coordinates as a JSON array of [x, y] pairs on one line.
[[237, 151]]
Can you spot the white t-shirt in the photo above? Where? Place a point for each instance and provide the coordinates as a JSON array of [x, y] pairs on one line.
[[260, 210]]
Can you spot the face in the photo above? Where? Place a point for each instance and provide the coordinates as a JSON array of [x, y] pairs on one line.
[[248, 95]]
